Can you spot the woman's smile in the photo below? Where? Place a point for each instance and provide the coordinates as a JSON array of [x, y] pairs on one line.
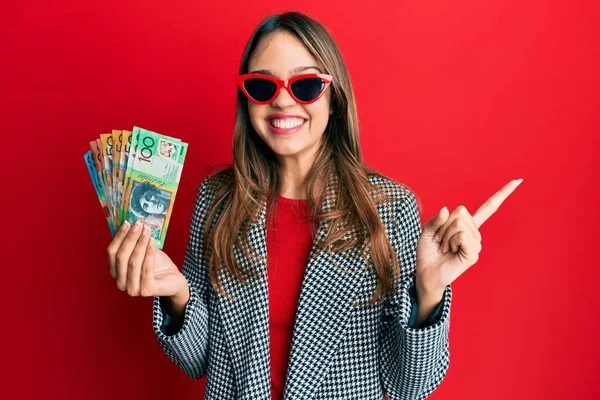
[[285, 126]]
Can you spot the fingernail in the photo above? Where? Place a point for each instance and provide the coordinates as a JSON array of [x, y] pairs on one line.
[[146, 229], [125, 226], [136, 226], [436, 238]]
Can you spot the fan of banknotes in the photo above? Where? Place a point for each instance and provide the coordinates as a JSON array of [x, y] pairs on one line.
[[136, 174]]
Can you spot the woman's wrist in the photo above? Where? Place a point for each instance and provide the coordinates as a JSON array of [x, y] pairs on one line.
[[176, 303], [179, 300]]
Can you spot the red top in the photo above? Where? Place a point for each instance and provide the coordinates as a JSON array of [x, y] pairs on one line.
[[289, 242]]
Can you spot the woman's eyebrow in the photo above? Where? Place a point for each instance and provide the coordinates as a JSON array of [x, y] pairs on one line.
[[292, 71]]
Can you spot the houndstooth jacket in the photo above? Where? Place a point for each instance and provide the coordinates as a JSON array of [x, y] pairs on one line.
[[338, 351]]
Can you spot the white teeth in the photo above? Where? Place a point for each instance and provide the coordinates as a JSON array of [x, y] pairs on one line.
[[286, 123]]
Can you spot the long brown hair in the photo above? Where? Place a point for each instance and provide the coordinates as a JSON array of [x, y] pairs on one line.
[[241, 188]]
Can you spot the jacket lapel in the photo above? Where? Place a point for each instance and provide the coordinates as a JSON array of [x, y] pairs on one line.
[[331, 286]]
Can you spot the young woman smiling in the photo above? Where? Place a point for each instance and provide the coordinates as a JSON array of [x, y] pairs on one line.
[[353, 299]]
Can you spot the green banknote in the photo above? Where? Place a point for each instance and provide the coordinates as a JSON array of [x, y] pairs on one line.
[[130, 157], [152, 178]]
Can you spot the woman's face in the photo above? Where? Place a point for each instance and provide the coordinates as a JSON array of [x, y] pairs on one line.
[[284, 56]]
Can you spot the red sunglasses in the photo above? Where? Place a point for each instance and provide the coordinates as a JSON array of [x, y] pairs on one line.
[[263, 89]]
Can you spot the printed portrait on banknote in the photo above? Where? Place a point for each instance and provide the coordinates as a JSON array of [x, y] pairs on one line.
[[149, 204]]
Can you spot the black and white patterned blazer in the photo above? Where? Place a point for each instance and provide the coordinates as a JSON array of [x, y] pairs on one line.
[[338, 351]]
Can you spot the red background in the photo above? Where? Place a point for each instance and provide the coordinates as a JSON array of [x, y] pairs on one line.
[[455, 99]]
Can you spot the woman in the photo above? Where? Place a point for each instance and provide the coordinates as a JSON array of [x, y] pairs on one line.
[[353, 300]]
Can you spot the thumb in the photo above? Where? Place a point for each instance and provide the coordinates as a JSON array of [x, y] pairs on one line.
[[432, 226]]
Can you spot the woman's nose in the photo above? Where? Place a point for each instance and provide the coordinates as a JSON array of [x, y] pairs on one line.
[[283, 99]]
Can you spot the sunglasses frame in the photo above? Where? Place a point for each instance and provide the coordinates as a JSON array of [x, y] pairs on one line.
[[283, 83]]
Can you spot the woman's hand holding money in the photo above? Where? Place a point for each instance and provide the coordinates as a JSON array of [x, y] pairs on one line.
[[143, 270]]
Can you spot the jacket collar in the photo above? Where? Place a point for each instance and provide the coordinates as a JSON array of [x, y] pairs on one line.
[[332, 284]]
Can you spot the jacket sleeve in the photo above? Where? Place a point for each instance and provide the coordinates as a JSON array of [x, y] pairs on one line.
[[187, 344], [414, 361]]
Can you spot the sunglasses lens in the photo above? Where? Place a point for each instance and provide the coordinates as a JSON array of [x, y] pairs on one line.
[[260, 89], [307, 89]]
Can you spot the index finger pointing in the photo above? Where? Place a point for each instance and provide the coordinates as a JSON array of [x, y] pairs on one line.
[[493, 203]]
